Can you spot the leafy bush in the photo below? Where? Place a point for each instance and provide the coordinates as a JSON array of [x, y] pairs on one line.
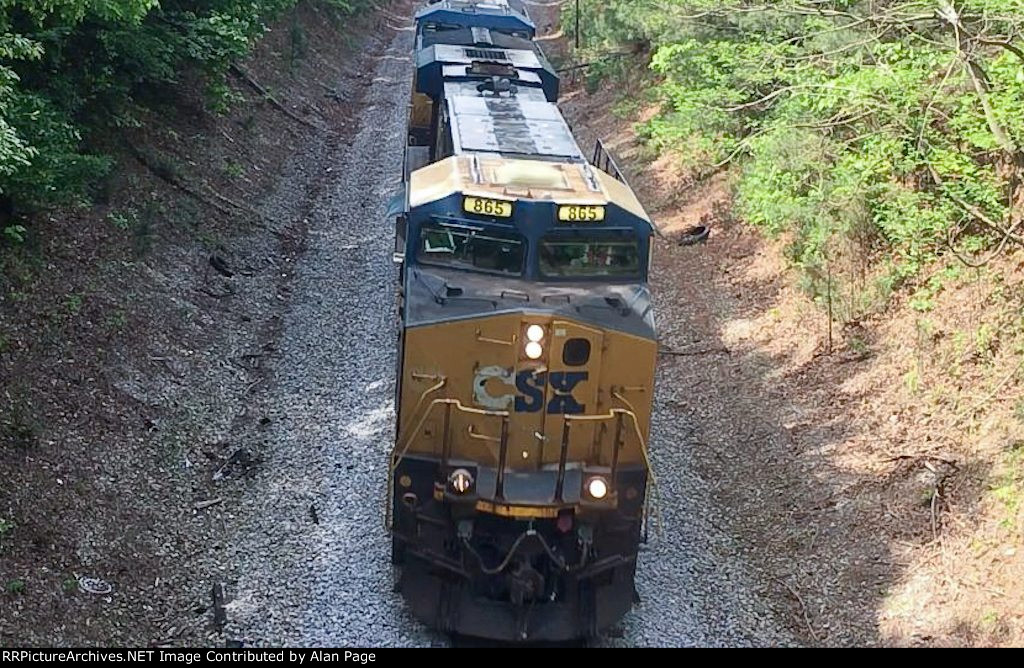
[[893, 127], [71, 67]]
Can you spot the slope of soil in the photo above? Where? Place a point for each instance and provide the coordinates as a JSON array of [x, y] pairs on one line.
[[134, 337]]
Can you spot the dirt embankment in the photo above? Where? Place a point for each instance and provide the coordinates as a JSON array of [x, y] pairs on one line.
[[870, 471], [135, 334]]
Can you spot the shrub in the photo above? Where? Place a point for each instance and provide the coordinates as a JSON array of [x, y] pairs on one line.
[[881, 126]]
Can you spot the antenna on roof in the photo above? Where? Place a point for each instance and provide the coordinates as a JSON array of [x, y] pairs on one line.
[[498, 85]]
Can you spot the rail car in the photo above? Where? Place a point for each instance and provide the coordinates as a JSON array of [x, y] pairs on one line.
[[519, 480]]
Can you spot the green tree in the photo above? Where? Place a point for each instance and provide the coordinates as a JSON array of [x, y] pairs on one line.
[[892, 126], [70, 68]]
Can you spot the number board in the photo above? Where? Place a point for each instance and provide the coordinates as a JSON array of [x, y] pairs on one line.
[[487, 207], [578, 213]]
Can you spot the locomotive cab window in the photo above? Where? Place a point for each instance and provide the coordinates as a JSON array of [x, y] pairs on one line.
[[490, 249], [585, 254]]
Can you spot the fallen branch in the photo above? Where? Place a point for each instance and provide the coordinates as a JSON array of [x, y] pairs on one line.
[[803, 608], [167, 175], [253, 212], [947, 462], [689, 353], [217, 202], [217, 295], [206, 504], [245, 76]]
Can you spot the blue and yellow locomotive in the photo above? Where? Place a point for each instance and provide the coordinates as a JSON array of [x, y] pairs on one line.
[[519, 479]]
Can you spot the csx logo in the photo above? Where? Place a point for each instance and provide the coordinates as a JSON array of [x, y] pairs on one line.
[[529, 395]]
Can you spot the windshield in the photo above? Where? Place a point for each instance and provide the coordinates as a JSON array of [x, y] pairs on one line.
[[488, 248], [585, 253]]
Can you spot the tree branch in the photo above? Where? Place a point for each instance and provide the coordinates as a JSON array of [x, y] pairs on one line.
[[977, 75]]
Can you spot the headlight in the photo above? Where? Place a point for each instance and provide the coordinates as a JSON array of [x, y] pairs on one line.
[[534, 350], [461, 481], [535, 333], [597, 487]]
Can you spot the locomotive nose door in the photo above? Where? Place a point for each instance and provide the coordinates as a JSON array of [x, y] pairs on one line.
[[574, 365]]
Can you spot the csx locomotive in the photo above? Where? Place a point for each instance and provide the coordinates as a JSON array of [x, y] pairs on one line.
[[519, 481]]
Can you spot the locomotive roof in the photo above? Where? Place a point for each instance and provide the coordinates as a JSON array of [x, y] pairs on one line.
[[524, 124], [440, 62], [519, 58], [472, 36], [456, 75], [508, 15], [495, 176]]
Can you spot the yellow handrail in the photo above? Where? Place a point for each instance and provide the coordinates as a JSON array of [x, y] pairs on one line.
[[643, 447], [487, 339], [433, 388], [396, 455]]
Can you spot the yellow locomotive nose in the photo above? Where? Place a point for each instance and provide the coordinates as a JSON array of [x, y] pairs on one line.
[[538, 424]]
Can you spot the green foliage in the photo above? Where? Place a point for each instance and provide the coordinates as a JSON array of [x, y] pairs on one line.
[[233, 169], [73, 69], [986, 341], [73, 304], [58, 171], [893, 127], [15, 233], [1008, 486], [923, 299], [123, 220], [6, 527]]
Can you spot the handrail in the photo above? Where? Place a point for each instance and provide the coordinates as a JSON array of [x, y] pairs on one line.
[[650, 469], [604, 161], [430, 390], [643, 448], [487, 339], [398, 453], [482, 437]]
